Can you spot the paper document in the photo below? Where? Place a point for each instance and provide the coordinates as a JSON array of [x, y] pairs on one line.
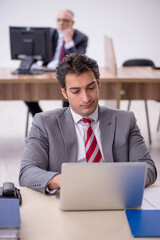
[[151, 198]]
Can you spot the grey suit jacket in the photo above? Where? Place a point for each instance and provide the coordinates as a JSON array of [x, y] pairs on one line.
[[52, 141]]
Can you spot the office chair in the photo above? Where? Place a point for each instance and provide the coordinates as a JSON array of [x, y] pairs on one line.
[[142, 63]]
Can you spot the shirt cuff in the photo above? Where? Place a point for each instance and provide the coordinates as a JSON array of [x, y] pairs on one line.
[[51, 191], [69, 44]]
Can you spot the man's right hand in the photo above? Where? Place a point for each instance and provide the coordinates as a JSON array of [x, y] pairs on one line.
[[68, 35], [55, 182]]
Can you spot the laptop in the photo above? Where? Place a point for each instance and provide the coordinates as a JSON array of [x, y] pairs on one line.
[[102, 186]]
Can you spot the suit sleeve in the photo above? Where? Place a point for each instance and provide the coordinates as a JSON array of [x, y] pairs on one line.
[[34, 165], [80, 44], [139, 152]]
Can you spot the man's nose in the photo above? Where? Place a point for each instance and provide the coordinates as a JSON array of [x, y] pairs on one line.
[[85, 96]]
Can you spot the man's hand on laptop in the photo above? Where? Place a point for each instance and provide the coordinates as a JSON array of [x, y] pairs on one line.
[[55, 182]]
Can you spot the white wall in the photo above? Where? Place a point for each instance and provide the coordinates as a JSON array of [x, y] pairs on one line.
[[134, 25]]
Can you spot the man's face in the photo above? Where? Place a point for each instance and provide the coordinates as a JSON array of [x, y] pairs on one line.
[[82, 92], [64, 21]]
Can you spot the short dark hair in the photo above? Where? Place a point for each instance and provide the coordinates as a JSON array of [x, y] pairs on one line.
[[76, 63]]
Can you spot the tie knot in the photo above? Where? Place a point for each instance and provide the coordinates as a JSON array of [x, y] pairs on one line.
[[87, 120]]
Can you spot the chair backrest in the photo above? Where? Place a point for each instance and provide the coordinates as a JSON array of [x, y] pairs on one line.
[[138, 62]]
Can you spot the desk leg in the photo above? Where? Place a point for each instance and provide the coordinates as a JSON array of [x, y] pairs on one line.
[[118, 94]]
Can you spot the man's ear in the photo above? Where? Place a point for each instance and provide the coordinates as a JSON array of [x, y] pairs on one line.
[[64, 93], [73, 23]]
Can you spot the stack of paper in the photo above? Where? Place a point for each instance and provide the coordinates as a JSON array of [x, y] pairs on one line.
[[9, 219], [151, 198]]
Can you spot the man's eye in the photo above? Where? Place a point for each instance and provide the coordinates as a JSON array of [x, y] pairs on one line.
[[90, 88], [75, 92]]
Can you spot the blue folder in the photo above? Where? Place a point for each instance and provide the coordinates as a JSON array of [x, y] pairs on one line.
[[144, 223], [9, 213]]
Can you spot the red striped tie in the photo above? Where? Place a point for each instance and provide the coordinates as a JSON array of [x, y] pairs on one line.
[[93, 153]]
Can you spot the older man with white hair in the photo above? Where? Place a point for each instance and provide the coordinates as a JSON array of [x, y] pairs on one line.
[[65, 40]]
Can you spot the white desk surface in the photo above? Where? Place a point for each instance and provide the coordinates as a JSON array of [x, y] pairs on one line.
[[41, 219]]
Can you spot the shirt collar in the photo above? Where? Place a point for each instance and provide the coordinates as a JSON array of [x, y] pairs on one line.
[[77, 117]]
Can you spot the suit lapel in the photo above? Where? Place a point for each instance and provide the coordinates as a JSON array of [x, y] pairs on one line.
[[107, 129], [68, 132]]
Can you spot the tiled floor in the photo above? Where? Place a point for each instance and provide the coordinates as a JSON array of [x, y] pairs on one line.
[[12, 132]]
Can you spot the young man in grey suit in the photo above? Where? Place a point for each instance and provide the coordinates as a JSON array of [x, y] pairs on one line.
[[58, 136], [74, 41]]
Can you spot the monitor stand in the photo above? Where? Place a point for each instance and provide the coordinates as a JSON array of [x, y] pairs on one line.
[[25, 67]]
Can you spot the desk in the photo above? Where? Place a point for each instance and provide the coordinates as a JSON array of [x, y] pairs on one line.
[[138, 83], [42, 220], [128, 83]]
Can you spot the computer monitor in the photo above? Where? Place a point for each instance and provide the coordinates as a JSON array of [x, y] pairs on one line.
[[30, 44]]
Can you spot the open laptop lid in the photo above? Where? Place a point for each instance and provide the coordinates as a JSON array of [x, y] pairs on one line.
[[100, 186]]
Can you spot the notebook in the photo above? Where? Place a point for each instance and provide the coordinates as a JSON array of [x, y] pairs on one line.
[[10, 221], [101, 186], [144, 223]]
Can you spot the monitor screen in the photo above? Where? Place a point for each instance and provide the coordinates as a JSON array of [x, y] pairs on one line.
[[30, 44]]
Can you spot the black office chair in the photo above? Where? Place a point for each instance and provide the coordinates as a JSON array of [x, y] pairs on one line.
[[138, 63], [142, 63], [33, 108]]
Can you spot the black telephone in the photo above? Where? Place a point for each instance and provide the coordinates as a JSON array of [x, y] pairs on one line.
[[10, 191]]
